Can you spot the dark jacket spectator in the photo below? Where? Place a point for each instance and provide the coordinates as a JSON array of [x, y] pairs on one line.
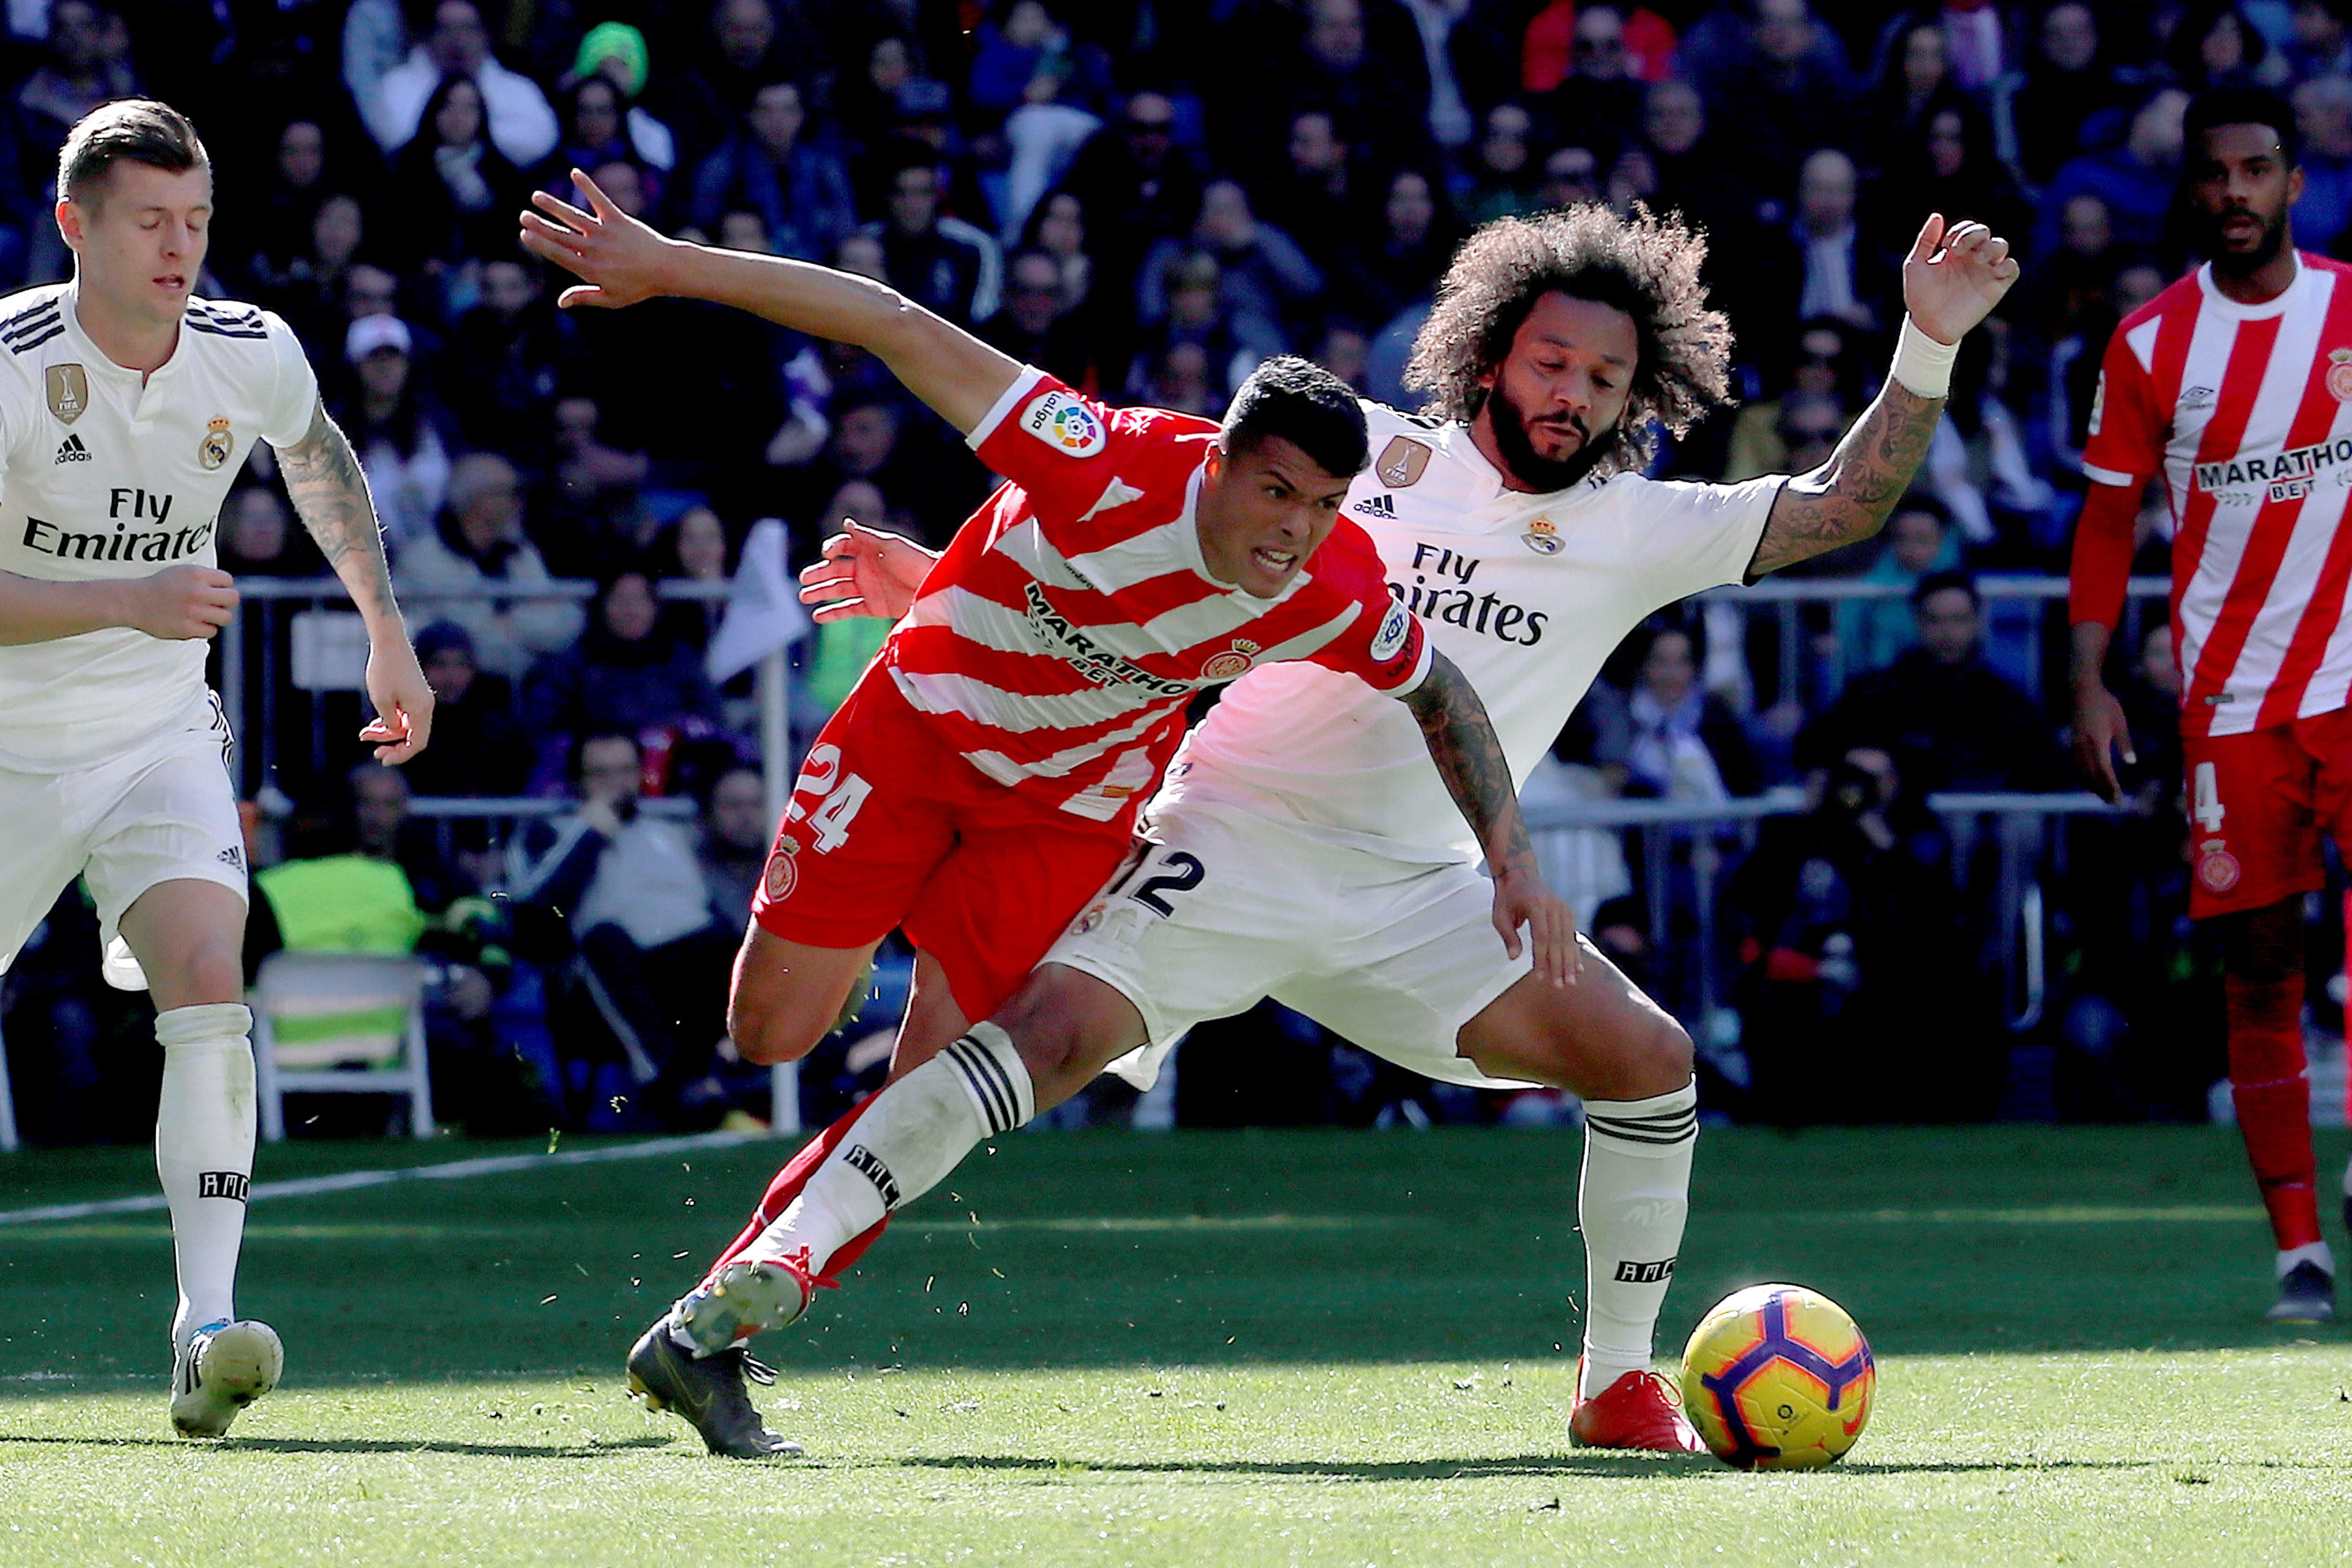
[[478, 749], [767, 166], [629, 675]]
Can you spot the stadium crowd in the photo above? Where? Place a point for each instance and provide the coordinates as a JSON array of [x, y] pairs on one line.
[[1147, 197]]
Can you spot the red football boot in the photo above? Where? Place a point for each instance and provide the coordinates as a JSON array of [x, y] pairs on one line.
[[1639, 1410]]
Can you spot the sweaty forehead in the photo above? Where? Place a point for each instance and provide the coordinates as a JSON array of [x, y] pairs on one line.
[[2234, 143]]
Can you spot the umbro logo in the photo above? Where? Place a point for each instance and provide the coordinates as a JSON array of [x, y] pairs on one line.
[[2197, 397], [232, 856], [71, 451], [1382, 505]]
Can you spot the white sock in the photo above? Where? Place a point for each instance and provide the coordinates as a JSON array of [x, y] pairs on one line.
[[204, 1152], [2316, 1252], [917, 1131], [1633, 1203]]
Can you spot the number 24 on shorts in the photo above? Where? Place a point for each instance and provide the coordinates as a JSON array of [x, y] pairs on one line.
[[838, 796]]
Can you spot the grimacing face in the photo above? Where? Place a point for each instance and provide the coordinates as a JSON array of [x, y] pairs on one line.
[[1264, 509]]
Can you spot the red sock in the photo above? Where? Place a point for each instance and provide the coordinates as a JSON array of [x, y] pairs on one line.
[[787, 1187], [2273, 1099]]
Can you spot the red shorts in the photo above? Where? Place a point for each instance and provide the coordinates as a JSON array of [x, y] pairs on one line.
[[2256, 805], [889, 826]]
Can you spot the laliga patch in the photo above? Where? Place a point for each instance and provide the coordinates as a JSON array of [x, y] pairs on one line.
[[1396, 629], [1065, 424], [2217, 867], [1542, 537], [1401, 461]]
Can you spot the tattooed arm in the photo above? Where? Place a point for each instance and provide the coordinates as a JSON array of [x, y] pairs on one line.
[[331, 496], [1469, 758], [1952, 281]]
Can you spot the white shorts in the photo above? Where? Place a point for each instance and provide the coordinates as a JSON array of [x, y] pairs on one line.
[[163, 812], [1225, 907]]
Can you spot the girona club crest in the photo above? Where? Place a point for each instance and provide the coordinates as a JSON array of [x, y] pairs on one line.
[[2339, 374], [784, 873], [1232, 663], [2217, 867]]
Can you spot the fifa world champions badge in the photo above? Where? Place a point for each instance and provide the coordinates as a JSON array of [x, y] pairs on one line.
[[213, 449]]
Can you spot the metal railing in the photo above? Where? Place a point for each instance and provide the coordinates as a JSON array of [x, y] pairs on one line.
[[2026, 849]]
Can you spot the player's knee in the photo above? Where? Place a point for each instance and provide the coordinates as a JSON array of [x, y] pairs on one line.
[[767, 1033], [1665, 1061]]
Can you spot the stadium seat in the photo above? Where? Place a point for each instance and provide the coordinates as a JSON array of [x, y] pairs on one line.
[[346, 1023]]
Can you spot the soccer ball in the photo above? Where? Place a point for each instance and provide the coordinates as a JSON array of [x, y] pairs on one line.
[[1777, 1377]]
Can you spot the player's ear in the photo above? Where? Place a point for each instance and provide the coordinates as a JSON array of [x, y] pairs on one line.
[[1214, 465], [69, 224]]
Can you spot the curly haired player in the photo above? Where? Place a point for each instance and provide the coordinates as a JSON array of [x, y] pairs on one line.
[[1513, 520]]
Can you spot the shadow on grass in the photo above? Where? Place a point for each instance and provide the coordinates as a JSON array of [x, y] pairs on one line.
[[356, 1446], [1582, 1462]]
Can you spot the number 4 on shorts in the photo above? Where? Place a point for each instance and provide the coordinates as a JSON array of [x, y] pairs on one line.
[[2205, 798]]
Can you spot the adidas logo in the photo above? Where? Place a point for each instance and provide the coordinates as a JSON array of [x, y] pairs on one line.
[[232, 856], [72, 451], [1380, 505]]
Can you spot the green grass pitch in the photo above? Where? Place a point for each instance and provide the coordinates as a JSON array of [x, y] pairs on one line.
[[1196, 1348]]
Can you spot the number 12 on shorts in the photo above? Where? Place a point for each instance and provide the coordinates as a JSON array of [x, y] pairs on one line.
[[838, 796], [1180, 871]]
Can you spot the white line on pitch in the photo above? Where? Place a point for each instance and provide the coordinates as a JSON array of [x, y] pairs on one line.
[[453, 1170]]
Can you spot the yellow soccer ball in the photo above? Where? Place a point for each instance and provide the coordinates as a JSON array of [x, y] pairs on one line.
[[1778, 1378]]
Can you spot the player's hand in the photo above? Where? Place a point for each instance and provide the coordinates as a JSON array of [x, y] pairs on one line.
[[403, 702], [2100, 732], [866, 571], [619, 259], [181, 603], [1952, 279], [1521, 899]]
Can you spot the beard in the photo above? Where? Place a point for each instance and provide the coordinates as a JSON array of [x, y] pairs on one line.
[[1530, 467], [2265, 251]]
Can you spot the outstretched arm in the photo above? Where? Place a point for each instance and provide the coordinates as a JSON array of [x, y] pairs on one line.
[[1469, 758], [621, 261], [331, 495], [1950, 282]]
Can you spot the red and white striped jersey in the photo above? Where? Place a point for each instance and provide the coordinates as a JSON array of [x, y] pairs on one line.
[[1058, 639], [2246, 410]]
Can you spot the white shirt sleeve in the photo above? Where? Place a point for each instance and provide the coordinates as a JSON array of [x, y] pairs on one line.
[[1689, 537], [285, 418]]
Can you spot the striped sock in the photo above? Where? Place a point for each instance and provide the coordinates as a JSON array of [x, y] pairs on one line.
[[903, 1143], [1634, 1199]]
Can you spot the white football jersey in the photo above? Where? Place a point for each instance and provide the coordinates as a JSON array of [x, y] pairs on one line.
[[1527, 594], [105, 473]]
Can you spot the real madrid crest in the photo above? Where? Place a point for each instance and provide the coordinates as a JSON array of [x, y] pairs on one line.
[[2339, 374], [213, 449], [69, 390], [1542, 537]]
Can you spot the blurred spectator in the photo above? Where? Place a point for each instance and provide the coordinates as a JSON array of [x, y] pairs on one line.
[[942, 263], [1195, 349], [1037, 326], [2214, 44], [1135, 188], [2136, 179], [2320, 44], [749, 45], [259, 539], [1920, 539], [1314, 186], [1570, 175], [1365, 61], [2042, 111], [1947, 164], [603, 126], [478, 542], [283, 204], [392, 429], [478, 749], [1946, 717], [626, 888], [1786, 90], [2323, 118], [1827, 365], [630, 674], [1914, 77], [1401, 263], [499, 370], [455, 192], [1599, 103], [87, 62], [1022, 42], [1041, 138], [1840, 271], [521, 124], [1683, 743], [800, 191], [732, 845], [1265, 282], [1503, 174], [590, 515], [694, 549]]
